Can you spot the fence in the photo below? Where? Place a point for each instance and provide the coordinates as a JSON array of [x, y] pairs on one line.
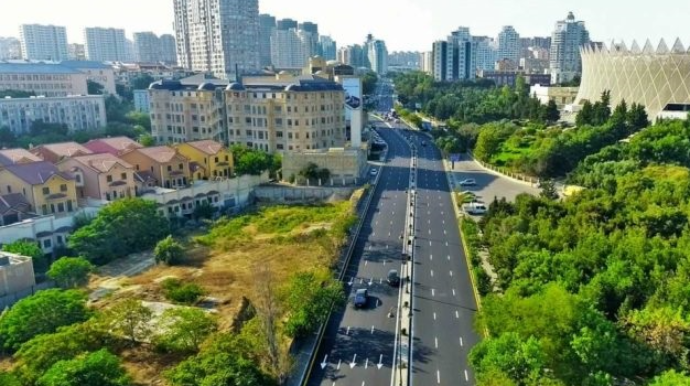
[[508, 173]]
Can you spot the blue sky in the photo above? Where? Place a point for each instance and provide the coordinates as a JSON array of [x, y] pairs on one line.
[[404, 24]]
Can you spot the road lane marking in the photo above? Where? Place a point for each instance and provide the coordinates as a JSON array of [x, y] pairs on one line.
[[451, 273], [348, 331], [431, 257], [444, 232], [461, 342], [435, 319], [436, 342], [453, 291], [438, 377], [354, 362], [366, 366], [340, 361], [457, 315], [372, 329], [432, 273], [448, 257], [366, 262], [380, 364], [433, 292], [467, 377]]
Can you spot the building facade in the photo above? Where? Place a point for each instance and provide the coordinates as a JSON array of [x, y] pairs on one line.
[[79, 113], [49, 190], [328, 47], [509, 44], [164, 164], [49, 80], [567, 39], [10, 48], [142, 102], [655, 77], [101, 176], [106, 45], [378, 56], [76, 52], [147, 47], [43, 42], [485, 52], [98, 72], [168, 49], [16, 274], [218, 36], [291, 49], [267, 24], [271, 113], [211, 161]]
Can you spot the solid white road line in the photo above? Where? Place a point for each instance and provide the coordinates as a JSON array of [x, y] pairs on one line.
[[438, 377], [348, 331], [354, 362]]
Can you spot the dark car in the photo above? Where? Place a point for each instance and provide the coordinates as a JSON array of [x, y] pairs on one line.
[[393, 278], [361, 298]]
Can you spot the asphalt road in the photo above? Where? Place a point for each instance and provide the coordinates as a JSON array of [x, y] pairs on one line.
[[358, 345], [489, 185], [444, 305]]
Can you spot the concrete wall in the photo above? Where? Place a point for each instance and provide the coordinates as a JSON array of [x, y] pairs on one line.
[[285, 194], [17, 276], [347, 166]]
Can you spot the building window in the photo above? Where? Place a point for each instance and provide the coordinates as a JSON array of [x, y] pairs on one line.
[[63, 188], [78, 178], [169, 168], [46, 191], [181, 166], [9, 189], [123, 176], [47, 243], [279, 146], [109, 179]]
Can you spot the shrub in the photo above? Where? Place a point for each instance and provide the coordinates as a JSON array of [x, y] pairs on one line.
[[185, 293]]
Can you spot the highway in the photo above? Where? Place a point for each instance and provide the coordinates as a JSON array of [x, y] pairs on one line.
[[358, 345]]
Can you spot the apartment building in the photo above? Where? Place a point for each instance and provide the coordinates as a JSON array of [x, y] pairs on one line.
[[163, 164], [271, 113], [49, 190], [79, 113], [43, 42], [106, 45], [45, 79], [209, 159], [101, 176], [98, 72]]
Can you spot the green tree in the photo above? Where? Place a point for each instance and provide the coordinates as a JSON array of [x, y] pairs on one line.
[[369, 81], [204, 211], [142, 82], [94, 88], [522, 360], [125, 226], [9, 379], [185, 329], [224, 362], [70, 272], [169, 252], [671, 378], [586, 115], [7, 137], [140, 119], [308, 299], [129, 319], [42, 313], [184, 293], [147, 140], [637, 117], [100, 368], [553, 114], [548, 190]]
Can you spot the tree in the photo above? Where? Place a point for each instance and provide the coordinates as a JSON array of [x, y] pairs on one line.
[[369, 81], [671, 378], [130, 319], [637, 117], [185, 329], [548, 190], [9, 379], [142, 82], [415, 120], [7, 137], [27, 248], [204, 211], [146, 140], [70, 272], [100, 368], [522, 360], [168, 251], [250, 161], [41, 313], [552, 112], [586, 115], [94, 88], [125, 226], [309, 299], [140, 119], [184, 293]]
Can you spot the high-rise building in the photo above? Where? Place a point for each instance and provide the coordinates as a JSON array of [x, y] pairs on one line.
[[43, 42], [218, 36], [439, 60], [428, 62], [568, 36], [354, 55], [286, 24], [267, 24], [459, 57], [147, 47], [377, 55], [291, 48], [76, 51], [10, 48], [328, 46], [106, 45], [168, 50], [486, 53], [509, 45]]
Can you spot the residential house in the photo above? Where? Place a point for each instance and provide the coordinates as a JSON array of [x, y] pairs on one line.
[[115, 145], [209, 159], [56, 152], [16, 156], [47, 189], [168, 167], [101, 176], [14, 208]]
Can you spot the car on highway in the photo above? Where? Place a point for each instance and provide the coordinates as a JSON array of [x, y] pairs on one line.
[[361, 298], [374, 172], [468, 182], [475, 209], [393, 278]]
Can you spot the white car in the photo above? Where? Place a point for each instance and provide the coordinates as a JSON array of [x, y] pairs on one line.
[[468, 182], [374, 172], [475, 209]]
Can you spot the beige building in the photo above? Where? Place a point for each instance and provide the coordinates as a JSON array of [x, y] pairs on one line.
[[46, 79], [271, 113], [48, 190], [98, 72], [79, 113], [345, 165], [163, 164], [563, 96], [16, 274], [101, 176]]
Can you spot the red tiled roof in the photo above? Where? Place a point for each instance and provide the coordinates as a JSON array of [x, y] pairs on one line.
[[160, 154], [12, 156], [102, 162], [208, 146], [65, 149], [114, 146]]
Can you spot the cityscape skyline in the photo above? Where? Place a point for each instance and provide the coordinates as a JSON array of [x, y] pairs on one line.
[[387, 20]]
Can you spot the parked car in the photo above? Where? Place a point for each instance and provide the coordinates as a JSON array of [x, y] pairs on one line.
[[361, 298], [475, 209], [468, 182], [393, 278], [374, 172]]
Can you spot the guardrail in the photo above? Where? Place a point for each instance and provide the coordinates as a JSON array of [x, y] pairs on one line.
[[341, 275]]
